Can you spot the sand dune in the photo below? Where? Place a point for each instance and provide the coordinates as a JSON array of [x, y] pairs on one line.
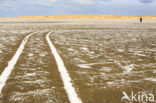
[[112, 17]]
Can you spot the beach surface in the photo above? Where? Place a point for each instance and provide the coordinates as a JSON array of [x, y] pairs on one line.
[[100, 59]]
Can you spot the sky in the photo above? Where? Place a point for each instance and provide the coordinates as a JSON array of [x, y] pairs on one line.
[[14, 8]]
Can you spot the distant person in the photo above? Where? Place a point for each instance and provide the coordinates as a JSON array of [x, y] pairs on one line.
[[140, 20]]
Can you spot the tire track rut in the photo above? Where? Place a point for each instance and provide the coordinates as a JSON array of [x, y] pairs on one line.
[[35, 78]]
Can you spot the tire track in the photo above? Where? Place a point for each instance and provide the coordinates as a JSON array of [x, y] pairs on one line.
[[7, 71], [36, 78], [70, 90]]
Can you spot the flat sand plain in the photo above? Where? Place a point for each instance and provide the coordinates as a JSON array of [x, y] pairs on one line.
[[103, 58]]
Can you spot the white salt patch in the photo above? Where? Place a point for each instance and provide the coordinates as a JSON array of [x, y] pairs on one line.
[[4, 39], [92, 79], [105, 69], [82, 72], [35, 82], [138, 51], [12, 38], [1, 46], [41, 62], [3, 31], [128, 68], [153, 45], [42, 55], [95, 63], [91, 52], [152, 50], [1, 51], [84, 49], [154, 71], [143, 55], [18, 96], [140, 60], [30, 74], [110, 59], [70, 49], [134, 81], [30, 54], [120, 50], [102, 73], [151, 79], [110, 83], [95, 56], [84, 66], [79, 60], [117, 83]]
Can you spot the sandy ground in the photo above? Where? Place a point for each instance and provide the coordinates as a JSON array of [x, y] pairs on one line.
[[103, 60], [35, 77], [9, 41], [103, 63]]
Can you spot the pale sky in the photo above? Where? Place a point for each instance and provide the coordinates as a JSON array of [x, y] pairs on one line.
[[13, 8]]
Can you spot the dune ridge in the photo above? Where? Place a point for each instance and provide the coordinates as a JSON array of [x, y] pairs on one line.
[[112, 17]]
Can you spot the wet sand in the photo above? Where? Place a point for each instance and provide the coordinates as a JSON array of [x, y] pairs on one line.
[[103, 60]]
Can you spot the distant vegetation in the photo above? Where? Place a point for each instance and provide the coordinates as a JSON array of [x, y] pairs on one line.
[[114, 17]]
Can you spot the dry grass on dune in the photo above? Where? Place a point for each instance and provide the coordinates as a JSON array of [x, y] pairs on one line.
[[112, 17]]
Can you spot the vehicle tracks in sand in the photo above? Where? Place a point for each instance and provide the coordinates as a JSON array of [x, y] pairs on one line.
[[33, 76]]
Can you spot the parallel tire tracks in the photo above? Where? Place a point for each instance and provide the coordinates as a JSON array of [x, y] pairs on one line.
[[70, 90]]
